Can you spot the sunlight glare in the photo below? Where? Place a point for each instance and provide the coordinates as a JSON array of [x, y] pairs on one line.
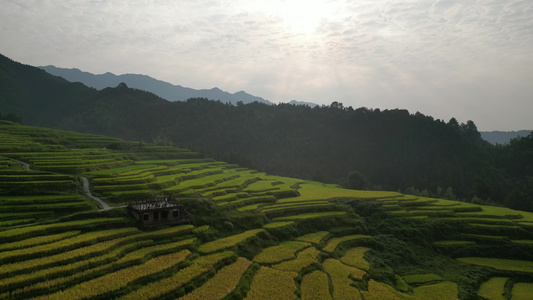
[[304, 17]]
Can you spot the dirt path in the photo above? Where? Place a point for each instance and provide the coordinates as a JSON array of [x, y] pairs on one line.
[[23, 165], [85, 183], [87, 191]]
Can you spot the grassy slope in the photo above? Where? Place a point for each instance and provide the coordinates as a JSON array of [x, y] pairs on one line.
[[402, 236]]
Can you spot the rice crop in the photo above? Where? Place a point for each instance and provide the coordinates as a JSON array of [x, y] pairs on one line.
[[230, 241], [169, 232], [522, 242], [69, 243], [296, 203], [500, 263], [64, 257], [317, 191], [142, 253], [442, 290], [342, 277], [298, 209], [46, 278], [355, 258], [493, 288], [379, 291], [334, 242], [453, 243], [495, 212], [480, 219], [314, 238], [24, 232], [119, 279], [249, 207], [310, 216], [284, 251], [223, 283], [278, 224], [304, 259], [270, 283], [484, 237], [159, 288], [315, 286], [11, 223], [522, 291]]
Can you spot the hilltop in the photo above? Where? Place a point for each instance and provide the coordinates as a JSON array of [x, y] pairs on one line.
[[392, 149], [252, 234]]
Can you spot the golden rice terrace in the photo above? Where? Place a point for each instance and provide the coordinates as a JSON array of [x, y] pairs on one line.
[[207, 229]]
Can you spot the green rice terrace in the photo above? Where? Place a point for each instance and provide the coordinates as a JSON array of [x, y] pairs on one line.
[[67, 231]]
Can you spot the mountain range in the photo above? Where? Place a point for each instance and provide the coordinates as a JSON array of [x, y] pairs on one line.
[[162, 89], [502, 137]]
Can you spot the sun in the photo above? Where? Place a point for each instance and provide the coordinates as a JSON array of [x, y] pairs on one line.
[[304, 17]]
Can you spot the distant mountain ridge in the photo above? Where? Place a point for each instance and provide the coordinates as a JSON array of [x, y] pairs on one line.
[[310, 104], [502, 137], [161, 88]]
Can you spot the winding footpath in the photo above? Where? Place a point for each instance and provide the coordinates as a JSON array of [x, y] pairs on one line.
[[23, 165], [85, 183], [87, 191]]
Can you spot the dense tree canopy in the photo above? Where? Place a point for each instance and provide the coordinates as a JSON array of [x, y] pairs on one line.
[[392, 149]]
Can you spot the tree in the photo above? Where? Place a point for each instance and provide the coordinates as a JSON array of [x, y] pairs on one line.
[[518, 200], [11, 117], [355, 181]]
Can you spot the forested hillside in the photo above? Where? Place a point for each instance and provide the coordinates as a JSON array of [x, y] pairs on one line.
[[392, 149], [66, 232]]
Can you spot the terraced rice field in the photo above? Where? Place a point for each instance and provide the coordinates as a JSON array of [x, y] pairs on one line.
[[494, 288], [262, 236]]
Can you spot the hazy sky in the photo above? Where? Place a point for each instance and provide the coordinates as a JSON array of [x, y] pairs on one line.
[[468, 59]]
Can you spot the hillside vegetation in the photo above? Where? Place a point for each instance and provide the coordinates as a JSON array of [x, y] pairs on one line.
[[253, 235], [393, 149]]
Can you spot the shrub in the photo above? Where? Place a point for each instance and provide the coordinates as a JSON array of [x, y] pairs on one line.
[[422, 278]]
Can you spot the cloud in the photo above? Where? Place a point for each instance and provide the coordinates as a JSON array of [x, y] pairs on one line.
[[442, 57]]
